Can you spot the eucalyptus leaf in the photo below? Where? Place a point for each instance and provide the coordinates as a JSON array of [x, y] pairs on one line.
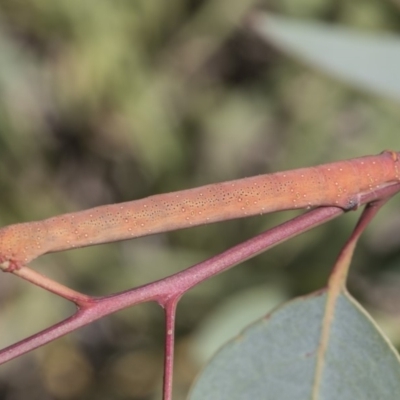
[[280, 357], [365, 60]]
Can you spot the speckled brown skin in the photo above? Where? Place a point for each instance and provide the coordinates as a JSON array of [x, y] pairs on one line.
[[336, 184]]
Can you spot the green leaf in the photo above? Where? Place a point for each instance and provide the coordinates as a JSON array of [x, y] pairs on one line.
[[280, 357], [368, 61]]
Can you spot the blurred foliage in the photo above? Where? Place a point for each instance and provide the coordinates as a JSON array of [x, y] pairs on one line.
[[107, 101]]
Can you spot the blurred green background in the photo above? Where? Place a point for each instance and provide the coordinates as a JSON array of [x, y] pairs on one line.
[[108, 101]]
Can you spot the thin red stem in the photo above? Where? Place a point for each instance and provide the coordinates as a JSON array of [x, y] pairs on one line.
[[170, 314]]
